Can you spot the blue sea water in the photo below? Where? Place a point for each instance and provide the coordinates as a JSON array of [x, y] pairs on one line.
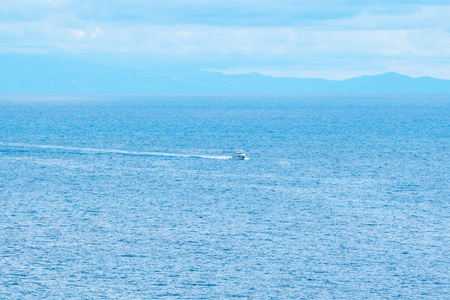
[[135, 197]]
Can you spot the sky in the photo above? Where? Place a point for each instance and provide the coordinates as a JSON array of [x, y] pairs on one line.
[[331, 39]]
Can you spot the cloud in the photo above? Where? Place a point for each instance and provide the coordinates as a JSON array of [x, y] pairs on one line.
[[213, 40], [243, 13], [97, 32], [94, 33], [320, 36], [78, 33], [415, 17]]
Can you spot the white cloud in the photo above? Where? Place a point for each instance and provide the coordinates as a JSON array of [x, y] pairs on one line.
[[78, 33], [419, 33], [416, 17], [97, 32], [290, 42]]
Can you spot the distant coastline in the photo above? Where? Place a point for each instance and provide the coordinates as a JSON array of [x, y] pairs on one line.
[[47, 74]]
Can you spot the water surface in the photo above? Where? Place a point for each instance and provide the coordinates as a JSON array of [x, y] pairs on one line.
[[344, 196]]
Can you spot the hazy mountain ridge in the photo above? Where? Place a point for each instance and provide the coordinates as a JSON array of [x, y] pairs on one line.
[[28, 73]]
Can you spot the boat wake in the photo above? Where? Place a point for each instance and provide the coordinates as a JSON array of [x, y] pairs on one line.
[[109, 151]]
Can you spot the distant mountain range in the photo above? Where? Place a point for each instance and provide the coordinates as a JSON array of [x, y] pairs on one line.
[[39, 73]]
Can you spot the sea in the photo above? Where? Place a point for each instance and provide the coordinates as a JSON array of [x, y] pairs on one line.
[[136, 196]]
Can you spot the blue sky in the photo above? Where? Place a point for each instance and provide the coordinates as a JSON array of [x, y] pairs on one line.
[[318, 39]]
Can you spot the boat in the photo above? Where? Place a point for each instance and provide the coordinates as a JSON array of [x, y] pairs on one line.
[[239, 155]]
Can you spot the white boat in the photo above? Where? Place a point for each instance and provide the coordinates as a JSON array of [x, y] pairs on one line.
[[239, 155]]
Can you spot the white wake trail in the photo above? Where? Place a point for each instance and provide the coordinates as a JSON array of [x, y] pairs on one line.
[[111, 151]]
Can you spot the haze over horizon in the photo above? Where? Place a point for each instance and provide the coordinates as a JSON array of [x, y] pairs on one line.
[[326, 39]]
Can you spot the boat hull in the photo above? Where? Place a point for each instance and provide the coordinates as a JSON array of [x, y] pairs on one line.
[[240, 156]]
